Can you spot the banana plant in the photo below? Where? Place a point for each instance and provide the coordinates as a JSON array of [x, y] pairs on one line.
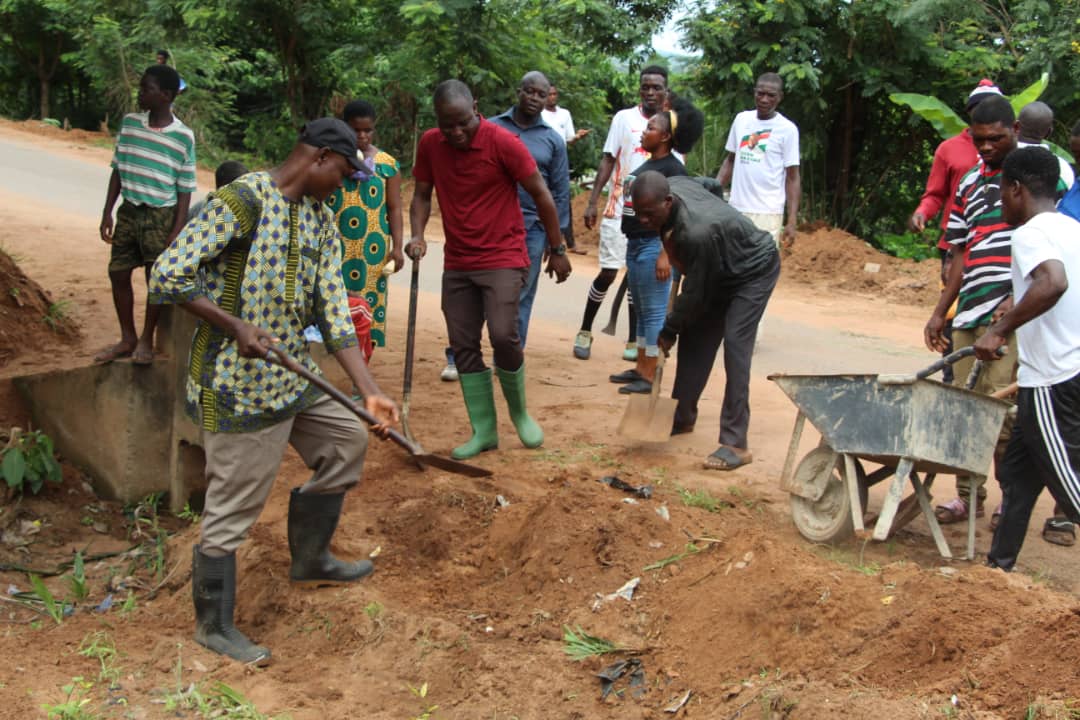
[[948, 123]]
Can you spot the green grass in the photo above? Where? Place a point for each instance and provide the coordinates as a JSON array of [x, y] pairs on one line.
[[691, 549], [580, 645], [702, 498]]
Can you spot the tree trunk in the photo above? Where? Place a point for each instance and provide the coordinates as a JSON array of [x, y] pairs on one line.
[[44, 82]]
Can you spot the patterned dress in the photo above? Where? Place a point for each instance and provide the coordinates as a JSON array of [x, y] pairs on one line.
[[364, 222]]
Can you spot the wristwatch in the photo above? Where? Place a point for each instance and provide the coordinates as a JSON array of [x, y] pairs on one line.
[[560, 250]]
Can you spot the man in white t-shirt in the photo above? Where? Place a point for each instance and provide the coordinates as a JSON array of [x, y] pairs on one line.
[[622, 155], [1044, 449], [762, 164], [560, 119]]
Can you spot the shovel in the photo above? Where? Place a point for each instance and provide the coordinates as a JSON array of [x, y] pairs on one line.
[[419, 456], [648, 418], [410, 348]]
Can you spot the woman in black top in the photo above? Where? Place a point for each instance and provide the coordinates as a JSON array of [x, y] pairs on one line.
[[668, 133]]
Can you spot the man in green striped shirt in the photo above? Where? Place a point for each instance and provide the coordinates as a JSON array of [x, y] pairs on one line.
[[154, 170]]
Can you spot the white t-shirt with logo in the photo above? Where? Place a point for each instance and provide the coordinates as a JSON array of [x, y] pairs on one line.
[[624, 144], [763, 151], [560, 119], [1049, 345]]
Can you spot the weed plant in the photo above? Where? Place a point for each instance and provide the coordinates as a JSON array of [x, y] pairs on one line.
[[579, 645]]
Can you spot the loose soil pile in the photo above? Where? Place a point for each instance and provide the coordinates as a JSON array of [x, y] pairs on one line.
[[832, 258], [29, 318], [473, 599], [828, 258]]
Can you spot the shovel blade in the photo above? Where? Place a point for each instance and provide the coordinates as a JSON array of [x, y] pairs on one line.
[[647, 419], [451, 465]]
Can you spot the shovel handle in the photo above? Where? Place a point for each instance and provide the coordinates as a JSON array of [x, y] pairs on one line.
[[952, 358], [410, 337], [277, 356]]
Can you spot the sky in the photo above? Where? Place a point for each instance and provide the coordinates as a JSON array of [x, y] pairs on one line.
[[667, 40]]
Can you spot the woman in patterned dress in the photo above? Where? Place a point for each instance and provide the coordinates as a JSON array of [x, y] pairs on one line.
[[368, 210]]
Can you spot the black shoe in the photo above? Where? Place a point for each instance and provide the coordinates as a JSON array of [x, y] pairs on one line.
[[313, 518], [626, 376], [677, 429], [640, 386], [213, 590]]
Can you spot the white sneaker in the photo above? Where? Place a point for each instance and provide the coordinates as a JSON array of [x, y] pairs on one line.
[[449, 373]]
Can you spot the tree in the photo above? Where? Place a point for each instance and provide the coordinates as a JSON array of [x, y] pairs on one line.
[[36, 36], [864, 159]]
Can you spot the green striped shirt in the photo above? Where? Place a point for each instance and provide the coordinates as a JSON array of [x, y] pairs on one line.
[[154, 163]]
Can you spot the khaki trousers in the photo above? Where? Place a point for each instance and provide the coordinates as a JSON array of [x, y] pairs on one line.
[[995, 375], [769, 222], [241, 468]]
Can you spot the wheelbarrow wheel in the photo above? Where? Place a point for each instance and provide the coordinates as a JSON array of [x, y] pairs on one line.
[[827, 519]]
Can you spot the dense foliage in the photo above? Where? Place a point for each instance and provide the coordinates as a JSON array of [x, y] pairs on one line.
[[256, 69]]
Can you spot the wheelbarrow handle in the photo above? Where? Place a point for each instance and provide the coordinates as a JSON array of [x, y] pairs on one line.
[[277, 356], [951, 358]]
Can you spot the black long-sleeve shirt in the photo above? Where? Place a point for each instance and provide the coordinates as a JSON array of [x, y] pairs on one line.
[[716, 245]]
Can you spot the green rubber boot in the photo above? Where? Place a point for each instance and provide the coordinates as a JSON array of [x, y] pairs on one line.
[[480, 402], [513, 387]]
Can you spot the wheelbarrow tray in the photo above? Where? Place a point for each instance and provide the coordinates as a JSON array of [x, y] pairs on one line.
[[941, 428]]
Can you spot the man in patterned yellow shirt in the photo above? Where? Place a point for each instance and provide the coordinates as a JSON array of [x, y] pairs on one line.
[[259, 264]]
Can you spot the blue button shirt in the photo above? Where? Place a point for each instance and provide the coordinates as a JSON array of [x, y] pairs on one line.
[[1070, 204], [549, 151]]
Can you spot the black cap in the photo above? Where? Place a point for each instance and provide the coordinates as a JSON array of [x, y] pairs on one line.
[[335, 135]]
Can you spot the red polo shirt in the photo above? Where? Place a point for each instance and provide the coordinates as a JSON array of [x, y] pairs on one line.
[[478, 197], [952, 160]]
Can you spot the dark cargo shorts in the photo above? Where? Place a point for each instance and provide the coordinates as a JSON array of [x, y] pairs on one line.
[[141, 234]]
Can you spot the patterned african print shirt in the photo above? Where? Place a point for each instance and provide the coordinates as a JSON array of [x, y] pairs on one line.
[[274, 263]]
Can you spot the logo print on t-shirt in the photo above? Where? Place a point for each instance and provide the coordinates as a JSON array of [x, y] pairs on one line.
[[755, 140]]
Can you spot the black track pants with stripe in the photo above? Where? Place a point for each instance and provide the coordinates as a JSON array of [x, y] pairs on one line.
[[1043, 452]]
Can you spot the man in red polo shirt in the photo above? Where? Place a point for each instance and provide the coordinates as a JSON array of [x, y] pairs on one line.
[[476, 166]]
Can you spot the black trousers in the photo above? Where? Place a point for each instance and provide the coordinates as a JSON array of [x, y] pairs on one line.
[[1043, 452], [733, 321], [469, 298]]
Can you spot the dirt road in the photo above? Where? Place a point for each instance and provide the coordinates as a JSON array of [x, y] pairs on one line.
[[763, 620]]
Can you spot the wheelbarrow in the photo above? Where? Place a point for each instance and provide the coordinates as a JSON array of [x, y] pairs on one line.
[[914, 427]]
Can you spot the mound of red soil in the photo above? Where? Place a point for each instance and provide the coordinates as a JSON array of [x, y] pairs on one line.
[[829, 258], [29, 318], [472, 598], [832, 258]]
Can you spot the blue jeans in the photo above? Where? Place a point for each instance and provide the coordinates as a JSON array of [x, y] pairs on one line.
[[650, 295], [535, 242]]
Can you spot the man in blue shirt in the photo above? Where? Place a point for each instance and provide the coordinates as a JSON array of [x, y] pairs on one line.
[[1070, 204], [549, 150]]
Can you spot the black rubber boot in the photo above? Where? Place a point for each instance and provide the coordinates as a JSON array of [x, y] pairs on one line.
[[313, 518], [213, 589]]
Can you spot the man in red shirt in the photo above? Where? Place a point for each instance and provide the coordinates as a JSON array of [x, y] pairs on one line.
[[476, 166], [952, 159]]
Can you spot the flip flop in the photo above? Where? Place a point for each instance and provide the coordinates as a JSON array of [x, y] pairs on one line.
[[140, 358], [956, 510], [1059, 531], [728, 458], [113, 352]]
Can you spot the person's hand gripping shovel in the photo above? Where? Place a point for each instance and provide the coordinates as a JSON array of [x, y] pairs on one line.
[[418, 454]]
